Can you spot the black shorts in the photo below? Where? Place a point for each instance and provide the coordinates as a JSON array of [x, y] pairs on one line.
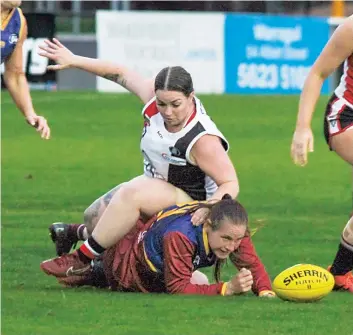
[[338, 117]]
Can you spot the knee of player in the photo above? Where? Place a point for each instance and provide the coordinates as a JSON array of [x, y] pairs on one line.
[[127, 192]]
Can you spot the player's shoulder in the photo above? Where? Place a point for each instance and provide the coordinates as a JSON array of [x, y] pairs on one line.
[[19, 14], [23, 24], [182, 228], [199, 106], [19, 10], [201, 112], [150, 108], [346, 26]]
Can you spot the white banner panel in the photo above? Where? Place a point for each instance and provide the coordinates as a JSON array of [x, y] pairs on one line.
[[147, 42]]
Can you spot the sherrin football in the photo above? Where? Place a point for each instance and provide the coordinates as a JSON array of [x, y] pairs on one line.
[[303, 283]]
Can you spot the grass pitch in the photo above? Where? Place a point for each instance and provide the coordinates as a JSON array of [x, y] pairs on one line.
[[94, 146]]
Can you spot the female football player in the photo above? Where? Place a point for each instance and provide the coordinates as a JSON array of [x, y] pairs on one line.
[[13, 35], [185, 155], [338, 128], [163, 254]]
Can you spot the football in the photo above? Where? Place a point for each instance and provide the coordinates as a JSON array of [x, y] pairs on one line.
[[303, 283]]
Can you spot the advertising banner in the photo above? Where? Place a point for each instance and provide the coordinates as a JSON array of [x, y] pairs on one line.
[[147, 42], [271, 54]]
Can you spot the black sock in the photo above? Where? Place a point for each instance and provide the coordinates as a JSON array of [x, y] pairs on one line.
[[343, 262], [90, 250]]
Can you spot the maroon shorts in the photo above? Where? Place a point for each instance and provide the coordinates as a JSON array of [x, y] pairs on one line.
[[119, 260]]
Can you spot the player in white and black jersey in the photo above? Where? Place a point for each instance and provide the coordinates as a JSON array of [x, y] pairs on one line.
[[169, 155], [338, 128], [185, 155]]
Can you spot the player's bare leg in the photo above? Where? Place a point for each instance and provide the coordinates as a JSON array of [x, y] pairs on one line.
[[342, 144], [142, 195], [342, 266]]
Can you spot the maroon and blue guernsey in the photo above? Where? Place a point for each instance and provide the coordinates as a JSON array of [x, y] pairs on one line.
[[162, 254], [11, 31]]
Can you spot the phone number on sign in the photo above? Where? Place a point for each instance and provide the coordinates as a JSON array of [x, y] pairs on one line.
[[271, 76]]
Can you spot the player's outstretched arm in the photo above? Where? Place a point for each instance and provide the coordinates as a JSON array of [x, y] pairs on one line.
[[17, 85], [246, 257], [178, 270], [131, 80], [337, 49]]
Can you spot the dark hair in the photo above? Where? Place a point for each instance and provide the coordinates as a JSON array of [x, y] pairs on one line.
[[227, 208], [174, 78]]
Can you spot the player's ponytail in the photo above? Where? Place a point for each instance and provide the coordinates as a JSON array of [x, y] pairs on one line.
[[226, 196]]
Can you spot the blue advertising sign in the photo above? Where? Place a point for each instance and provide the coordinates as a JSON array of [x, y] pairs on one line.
[[271, 54]]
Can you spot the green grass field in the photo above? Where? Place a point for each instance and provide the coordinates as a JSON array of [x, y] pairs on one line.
[[94, 146]]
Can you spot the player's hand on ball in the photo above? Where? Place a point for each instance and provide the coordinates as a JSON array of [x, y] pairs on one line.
[[240, 283], [58, 53], [303, 141], [41, 125]]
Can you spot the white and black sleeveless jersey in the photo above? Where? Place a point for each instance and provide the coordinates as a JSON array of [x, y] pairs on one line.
[[345, 88], [167, 155]]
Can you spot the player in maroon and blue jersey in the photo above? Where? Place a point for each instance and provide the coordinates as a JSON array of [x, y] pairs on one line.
[[13, 35], [164, 254]]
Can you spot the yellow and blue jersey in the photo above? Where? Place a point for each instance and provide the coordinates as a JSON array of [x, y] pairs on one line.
[[11, 31], [176, 219]]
